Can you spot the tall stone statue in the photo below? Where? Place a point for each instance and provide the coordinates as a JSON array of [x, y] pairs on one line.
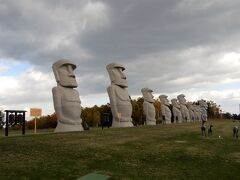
[[166, 112], [183, 108], [66, 99], [197, 112], [191, 111], [120, 102], [177, 115], [203, 106], [148, 107]]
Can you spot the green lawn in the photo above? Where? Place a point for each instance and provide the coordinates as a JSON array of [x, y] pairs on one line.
[[175, 151]]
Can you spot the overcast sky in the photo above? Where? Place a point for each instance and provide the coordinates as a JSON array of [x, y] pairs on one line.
[[171, 46]]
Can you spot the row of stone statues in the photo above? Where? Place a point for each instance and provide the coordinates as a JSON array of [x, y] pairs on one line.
[[180, 111], [122, 109], [67, 103]]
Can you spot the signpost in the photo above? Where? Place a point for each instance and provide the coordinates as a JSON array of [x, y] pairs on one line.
[[35, 112]]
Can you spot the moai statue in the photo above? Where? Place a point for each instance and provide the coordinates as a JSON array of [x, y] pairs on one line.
[[148, 107], [197, 112], [183, 108], [166, 112], [176, 111], [66, 99], [203, 106], [120, 101], [191, 111]]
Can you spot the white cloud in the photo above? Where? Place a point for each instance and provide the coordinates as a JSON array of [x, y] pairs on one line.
[[27, 89], [95, 15]]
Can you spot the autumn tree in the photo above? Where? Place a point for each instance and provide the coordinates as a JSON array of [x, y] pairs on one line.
[[157, 105], [137, 113], [96, 118]]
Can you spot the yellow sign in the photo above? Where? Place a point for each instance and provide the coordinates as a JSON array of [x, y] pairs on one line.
[[35, 112]]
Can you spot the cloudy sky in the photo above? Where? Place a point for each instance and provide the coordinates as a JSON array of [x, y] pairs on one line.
[[170, 46]]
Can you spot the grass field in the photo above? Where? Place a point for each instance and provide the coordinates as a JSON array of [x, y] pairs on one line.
[[176, 151]]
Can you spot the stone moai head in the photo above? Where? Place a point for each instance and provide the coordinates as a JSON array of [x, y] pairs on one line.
[[147, 95], [203, 104], [63, 71], [164, 100], [181, 99], [116, 74], [175, 103]]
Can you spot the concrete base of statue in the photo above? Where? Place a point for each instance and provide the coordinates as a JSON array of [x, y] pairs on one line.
[[61, 127], [122, 124], [150, 122], [168, 122]]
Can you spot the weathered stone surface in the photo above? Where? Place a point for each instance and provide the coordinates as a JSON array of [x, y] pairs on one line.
[[197, 111], [191, 111], [177, 115], [66, 99], [120, 102], [183, 108], [166, 112], [203, 106], [148, 107]]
